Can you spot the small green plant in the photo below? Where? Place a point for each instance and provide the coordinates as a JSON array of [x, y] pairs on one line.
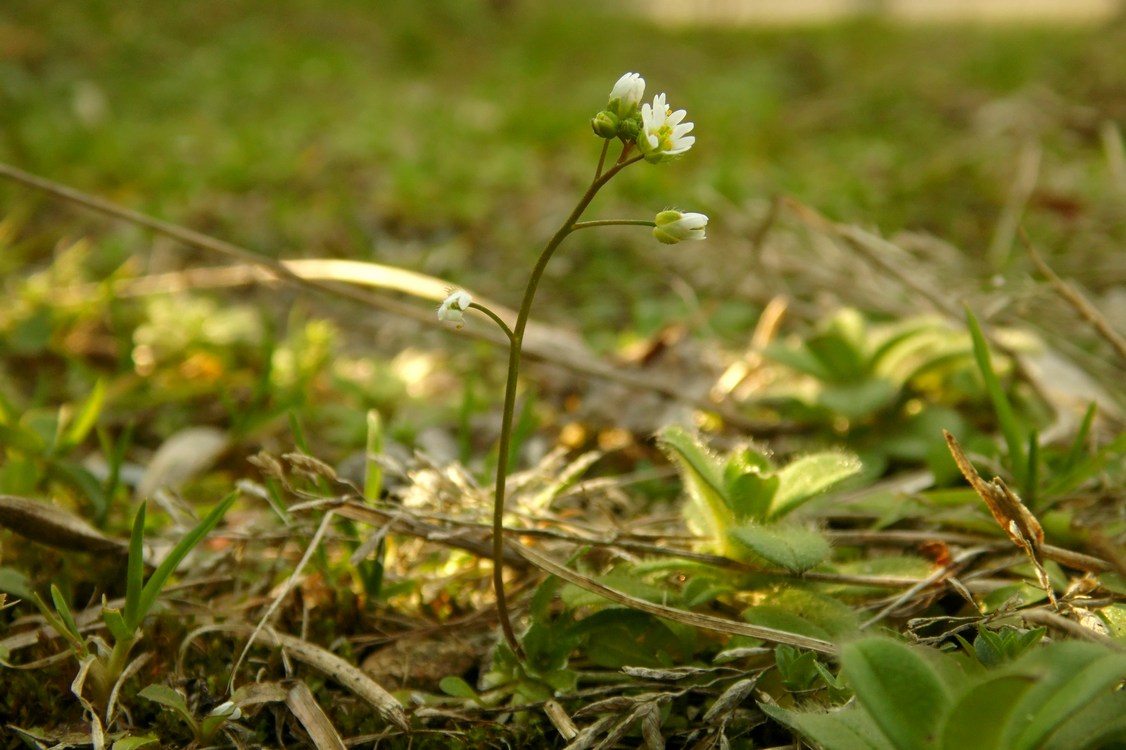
[[738, 501], [891, 385], [203, 730], [1061, 696], [106, 665], [647, 132]]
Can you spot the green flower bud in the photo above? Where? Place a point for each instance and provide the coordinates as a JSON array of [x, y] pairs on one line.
[[674, 226], [605, 124]]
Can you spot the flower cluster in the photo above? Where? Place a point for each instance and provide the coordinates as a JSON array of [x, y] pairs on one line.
[[659, 131]]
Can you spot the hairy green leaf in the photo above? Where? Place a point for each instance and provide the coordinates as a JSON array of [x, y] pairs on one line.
[[791, 547], [703, 478], [805, 477]]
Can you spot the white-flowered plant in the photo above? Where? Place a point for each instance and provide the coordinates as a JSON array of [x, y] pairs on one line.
[[673, 227], [648, 132]]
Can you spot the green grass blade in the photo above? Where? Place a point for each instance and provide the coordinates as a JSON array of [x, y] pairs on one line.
[[64, 612], [86, 419], [1003, 408], [156, 582], [135, 571]]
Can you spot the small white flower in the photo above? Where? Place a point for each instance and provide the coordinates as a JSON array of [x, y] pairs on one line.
[[674, 226], [454, 306], [626, 95], [663, 132]]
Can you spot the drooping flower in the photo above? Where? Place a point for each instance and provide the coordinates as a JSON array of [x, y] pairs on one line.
[[664, 134], [674, 226], [453, 307]]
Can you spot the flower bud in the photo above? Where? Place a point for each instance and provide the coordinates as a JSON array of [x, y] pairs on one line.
[[674, 226], [625, 97], [605, 124]]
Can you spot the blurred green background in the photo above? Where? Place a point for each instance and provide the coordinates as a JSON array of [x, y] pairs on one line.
[[448, 136]]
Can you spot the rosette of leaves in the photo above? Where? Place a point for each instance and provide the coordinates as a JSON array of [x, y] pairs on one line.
[[893, 384], [739, 501]]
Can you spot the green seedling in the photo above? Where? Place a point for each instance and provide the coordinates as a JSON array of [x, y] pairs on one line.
[[124, 625], [738, 501], [205, 729]]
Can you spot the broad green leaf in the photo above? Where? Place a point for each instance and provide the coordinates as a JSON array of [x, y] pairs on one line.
[[805, 477], [750, 495], [848, 729], [791, 547], [703, 478], [135, 742], [842, 347], [799, 610], [169, 698], [16, 583], [1071, 675], [798, 358], [160, 576], [617, 638], [980, 716], [457, 687], [858, 399], [899, 688], [777, 618], [1099, 724]]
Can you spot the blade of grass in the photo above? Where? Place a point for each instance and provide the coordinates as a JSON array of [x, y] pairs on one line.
[[135, 571], [156, 582], [1010, 428], [65, 615], [87, 417]]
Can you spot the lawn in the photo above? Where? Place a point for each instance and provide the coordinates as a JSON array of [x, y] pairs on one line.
[[251, 504]]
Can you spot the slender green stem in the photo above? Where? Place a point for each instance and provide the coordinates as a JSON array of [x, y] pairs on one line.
[[514, 350], [602, 159], [495, 318], [613, 223]]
